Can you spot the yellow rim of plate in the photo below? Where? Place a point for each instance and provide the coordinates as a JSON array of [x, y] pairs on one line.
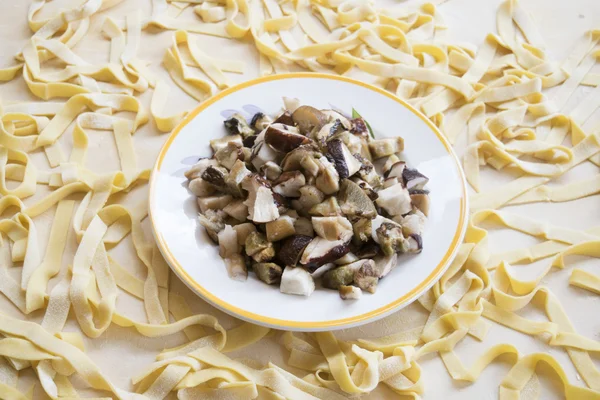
[[249, 316]]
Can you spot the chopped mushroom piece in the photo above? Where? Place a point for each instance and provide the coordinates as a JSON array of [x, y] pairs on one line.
[[389, 163], [259, 248], [386, 147], [395, 200], [237, 209], [285, 118], [271, 170], [310, 196], [198, 168], [215, 176], [362, 230], [289, 183], [412, 224], [340, 276], [391, 238], [414, 244], [384, 264], [308, 118], [229, 154], [284, 138], [421, 201], [212, 221], [332, 228], [228, 242], [237, 125], [243, 230], [327, 208], [269, 273], [292, 249], [260, 121], [366, 277], [291, 162], [310, 165], [304, 227], [213, 202], [349, 258], [281, 228], [350, 292], [297, 281], [345, 163], [322, 251], [413, 179], [236, 267], [328, 179], [218, 144], [353, 201], [262, 153], [236, 176], [200, 188], [396, 170], [260, 202], [359, 127]]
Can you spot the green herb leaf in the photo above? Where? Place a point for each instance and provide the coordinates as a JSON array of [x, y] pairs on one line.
[[355, 114]]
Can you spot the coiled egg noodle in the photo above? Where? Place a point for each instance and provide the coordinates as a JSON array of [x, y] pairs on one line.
[[493, 92]]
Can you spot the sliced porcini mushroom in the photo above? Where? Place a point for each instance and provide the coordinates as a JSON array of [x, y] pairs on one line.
[[235, 177], [269, 273], [260, 202], [327, 208], [284, 138], [289, 183], [310, 196], [349, 292], [291, 162], [271, 170], [368, 250], [413, 179], [358, 127], [384, 264], [291, 103], [412, 224], [396, 170], [340, 276], [354, 201], [366, 277], [389, 163], [236, 267], [376, 223], [237, 125], [319, 272], [218, 144], [228, 155], [213, 202], [237, 209], [197, 169], [212, 221], [310, 165], [228, 242], [292, 248], [285, 118], [362, 230], [260, 121], [327, 132], [281, 202], [386, 147], [421, 201], [258, 247], [333, 228], [297, 281], [308, 118], [367, 172], [348, 258], [328, 179], [414, 244], [200, 188], [304, 227], [395, 200], [322, 251], [243, 230], [281, 228], [345, 163], [215, 176], [391, 239]]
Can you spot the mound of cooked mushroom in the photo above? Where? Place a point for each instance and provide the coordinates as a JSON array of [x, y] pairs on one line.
[[309, 195]]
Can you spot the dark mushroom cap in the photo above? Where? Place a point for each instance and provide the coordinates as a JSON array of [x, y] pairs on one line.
[[283, 140], [292, 248]]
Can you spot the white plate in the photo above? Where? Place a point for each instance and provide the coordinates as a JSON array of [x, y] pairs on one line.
[[195, 259]]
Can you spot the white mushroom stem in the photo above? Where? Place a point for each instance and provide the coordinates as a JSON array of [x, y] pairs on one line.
[[296, 280], [395, 200]]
